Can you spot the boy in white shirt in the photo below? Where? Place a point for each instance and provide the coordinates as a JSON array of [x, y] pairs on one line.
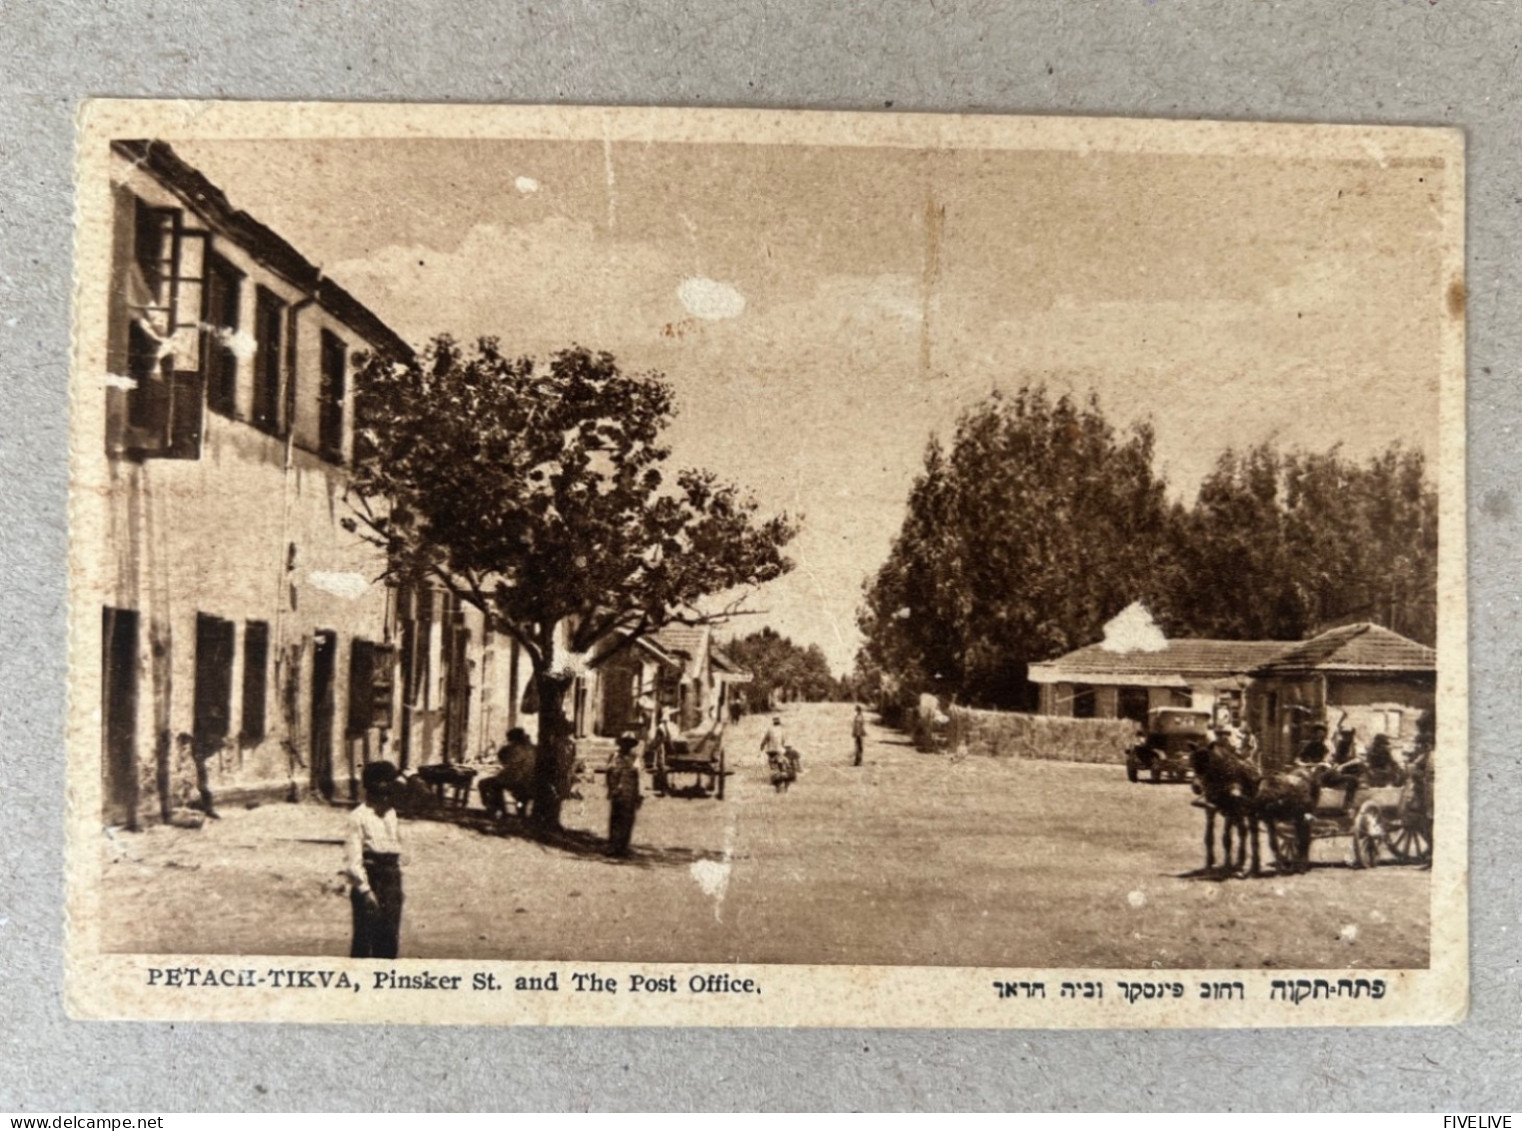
[[374, 866]]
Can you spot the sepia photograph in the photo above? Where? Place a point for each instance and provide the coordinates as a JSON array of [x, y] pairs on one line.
[[618, 566]]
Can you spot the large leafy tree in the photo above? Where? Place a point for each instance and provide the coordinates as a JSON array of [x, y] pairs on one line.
[[1042, 521], [1237, 578], [1280, 544], [1039, 523], [539, 493]]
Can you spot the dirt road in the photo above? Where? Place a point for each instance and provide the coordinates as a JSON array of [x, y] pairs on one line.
[[910, 858]]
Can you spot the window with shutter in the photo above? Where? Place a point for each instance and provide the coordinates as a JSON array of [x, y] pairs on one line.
[[213, 682], [269, 322], [331, 397], [224, 284], [256, 651]]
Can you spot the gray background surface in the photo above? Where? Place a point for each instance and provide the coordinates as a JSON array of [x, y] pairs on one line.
[[1451, 62]]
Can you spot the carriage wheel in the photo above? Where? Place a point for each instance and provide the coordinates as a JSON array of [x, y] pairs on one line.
[[1410, 842], [1281, 839], [1131, 774], [1366, 838]]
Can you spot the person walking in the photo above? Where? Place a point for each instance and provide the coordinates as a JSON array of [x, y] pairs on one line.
[[859, 734], [658, 749], [623, 796], [774, 741], [374, 866], [774, 747]]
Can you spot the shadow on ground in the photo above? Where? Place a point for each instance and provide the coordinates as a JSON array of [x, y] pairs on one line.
[[572, 842]]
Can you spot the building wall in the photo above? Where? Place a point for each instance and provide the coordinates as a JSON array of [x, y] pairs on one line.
[[1173, 697], [1382, 706], [624, 686], [1057, 698], [500, 673], [1282, 709], [1106, 702], [241, 539], [238, 540]]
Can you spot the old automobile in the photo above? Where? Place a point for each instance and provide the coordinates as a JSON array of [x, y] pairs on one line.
[[1172, 734]]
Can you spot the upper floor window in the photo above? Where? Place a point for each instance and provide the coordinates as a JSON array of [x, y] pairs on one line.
[[330, 397], [153, 251], [156, 319], [269, 324], [224, 285]]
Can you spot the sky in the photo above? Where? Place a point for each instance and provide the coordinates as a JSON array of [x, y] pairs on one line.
[[822, 311]]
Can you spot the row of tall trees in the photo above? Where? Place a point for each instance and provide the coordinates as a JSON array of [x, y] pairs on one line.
[[783, 671], [1042, 520]]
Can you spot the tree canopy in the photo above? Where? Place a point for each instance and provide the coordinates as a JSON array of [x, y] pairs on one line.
[[1038, 524], [1279, 544], [1041, 522], [783, 670], [539, 493]]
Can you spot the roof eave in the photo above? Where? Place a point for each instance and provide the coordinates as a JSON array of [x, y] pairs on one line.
[[198, 193]]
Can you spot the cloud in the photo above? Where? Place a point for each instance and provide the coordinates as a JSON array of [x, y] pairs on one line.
[[710, 299], [537, 286], [526, 185]]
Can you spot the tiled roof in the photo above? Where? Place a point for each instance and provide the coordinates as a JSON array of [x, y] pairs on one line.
[[1354, 648], [686, 639], [722, 660], [1180, 657]]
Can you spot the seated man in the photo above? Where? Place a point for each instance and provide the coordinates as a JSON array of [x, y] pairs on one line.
[[1383, 769], [514, 779], [1347, 767], [1315, 748]]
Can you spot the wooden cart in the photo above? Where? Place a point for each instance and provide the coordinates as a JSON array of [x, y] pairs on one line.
[[697, 758], [1389, 819]]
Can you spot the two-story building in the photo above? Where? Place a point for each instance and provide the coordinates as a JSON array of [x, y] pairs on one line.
[[245, 633]]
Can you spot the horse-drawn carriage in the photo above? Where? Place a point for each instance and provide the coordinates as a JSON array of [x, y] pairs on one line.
[[1393, 817], [701, 757], [1380, 805]]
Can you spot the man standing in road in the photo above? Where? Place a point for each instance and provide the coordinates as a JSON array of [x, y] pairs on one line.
[[859, 734], [373, 856], [623, 796]]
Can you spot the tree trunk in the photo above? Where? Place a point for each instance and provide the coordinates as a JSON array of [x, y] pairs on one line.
[[552, 756]]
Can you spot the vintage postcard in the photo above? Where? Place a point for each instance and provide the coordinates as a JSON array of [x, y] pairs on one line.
[[549, 565]]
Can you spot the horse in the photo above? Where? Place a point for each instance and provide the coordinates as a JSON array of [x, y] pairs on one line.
[[1228, 784], [1289, 795]]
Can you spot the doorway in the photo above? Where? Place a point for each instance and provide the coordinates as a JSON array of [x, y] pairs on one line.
[[324, 664], [118, 665]]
